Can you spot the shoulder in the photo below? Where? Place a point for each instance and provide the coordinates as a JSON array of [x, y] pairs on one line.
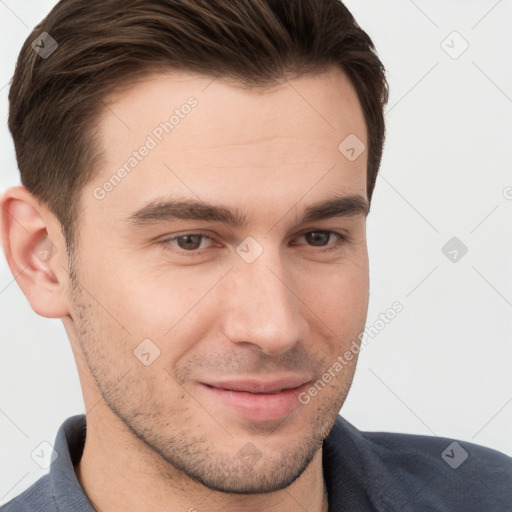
[[39, 496], [418, 453], [425, 471]]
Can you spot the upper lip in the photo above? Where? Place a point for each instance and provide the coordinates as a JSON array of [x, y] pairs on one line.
[[260, 386]]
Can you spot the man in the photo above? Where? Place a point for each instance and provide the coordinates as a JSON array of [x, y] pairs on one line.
[[196, 179]]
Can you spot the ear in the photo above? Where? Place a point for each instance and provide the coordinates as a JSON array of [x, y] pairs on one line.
[[35, 250]]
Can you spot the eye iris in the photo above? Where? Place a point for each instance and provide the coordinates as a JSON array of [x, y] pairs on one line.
[[191, 242], [318, 238]]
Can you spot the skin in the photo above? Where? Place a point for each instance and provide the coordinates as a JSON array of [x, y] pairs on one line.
[[155, 438]]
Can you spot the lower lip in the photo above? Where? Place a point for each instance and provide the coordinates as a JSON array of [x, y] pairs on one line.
[[259, 406]]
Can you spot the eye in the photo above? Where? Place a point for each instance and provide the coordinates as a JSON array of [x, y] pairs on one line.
[[189, 242], [321, 238]]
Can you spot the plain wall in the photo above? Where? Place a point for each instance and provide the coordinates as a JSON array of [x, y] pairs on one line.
[[442, 365]]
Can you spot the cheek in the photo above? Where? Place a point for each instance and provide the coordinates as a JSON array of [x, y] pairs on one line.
[[145, 306], [339, 316], [338, 294], [128, 367], [157, 292]]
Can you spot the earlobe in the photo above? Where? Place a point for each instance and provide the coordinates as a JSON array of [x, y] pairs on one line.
[[33, 251]]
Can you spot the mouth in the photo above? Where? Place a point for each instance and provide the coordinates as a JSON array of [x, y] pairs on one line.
[[258, 400]]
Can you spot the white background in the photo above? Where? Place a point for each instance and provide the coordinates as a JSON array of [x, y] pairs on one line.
[[443, 365]]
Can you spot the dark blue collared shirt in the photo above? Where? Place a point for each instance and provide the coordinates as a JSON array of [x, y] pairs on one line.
[[364, 471]]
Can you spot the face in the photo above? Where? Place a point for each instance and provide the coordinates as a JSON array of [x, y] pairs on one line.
[[220, 276]]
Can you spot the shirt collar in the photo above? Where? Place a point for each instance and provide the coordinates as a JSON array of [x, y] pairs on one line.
[[69, 445]]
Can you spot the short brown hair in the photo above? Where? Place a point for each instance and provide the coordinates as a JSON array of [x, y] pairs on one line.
[[55, 101]]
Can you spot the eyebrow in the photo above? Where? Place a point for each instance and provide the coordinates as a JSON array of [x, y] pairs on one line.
[[162, 210]]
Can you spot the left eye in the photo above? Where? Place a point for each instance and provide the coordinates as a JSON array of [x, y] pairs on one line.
[[320, 238]]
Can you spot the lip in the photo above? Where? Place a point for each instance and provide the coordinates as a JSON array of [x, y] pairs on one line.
[[258, 400], [259, 386]]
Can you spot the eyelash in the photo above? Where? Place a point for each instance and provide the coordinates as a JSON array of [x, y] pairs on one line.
[[341, 238]]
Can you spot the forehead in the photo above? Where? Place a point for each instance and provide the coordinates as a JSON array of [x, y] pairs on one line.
[[190, 135]]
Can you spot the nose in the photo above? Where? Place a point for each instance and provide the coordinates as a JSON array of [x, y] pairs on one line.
[[262, 308]]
